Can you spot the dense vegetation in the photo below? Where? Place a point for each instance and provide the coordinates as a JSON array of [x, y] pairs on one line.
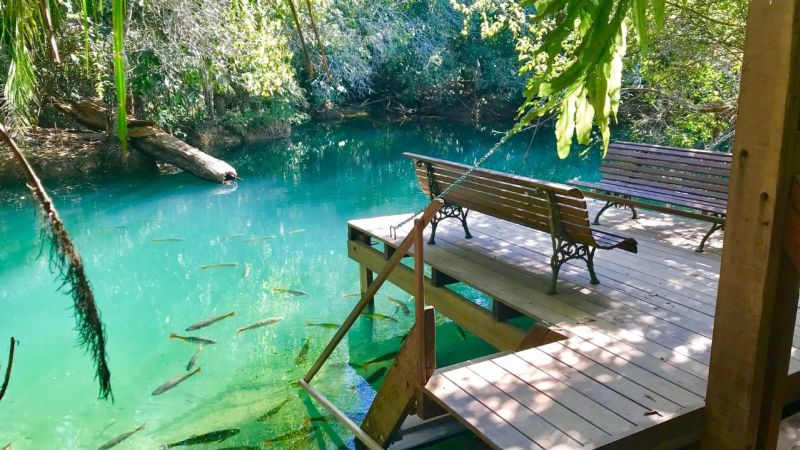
[[243, 64]]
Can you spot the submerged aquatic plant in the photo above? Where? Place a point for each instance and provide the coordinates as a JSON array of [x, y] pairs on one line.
[[66, 262]]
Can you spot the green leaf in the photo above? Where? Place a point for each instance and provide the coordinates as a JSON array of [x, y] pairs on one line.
[[640, 23], [118, 25], [658, 12], [565, 125], [615, 70], [584, 115]]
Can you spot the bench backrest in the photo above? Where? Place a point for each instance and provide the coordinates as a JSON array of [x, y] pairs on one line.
[[695, 172], [518, 199]]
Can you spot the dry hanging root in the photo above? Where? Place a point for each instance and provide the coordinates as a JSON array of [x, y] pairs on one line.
[[8, 368], [65, 260]]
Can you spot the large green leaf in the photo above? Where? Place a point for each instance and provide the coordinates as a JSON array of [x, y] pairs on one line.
[[565, 125], [118, 25]]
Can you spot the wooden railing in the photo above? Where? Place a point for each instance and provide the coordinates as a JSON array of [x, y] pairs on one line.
[[413, 238]]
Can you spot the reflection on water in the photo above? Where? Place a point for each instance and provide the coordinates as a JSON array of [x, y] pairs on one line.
[[145, 241]]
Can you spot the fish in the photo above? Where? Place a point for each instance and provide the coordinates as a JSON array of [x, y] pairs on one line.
[[174, 382], [206, 322], [218, 266], [246, 270], [331, 326], [110, 443], [241, 447], [287, 436], [302, 355], [167, 240], [260, 238], [379, 316], [192, 339], [300, 230], [214, 436], [461, 333], [377, 359], [403, 307], [260, 323], [109, 230], [352, 294], [274, 410], [193, 361], [7, 447], [289, 291], [376, 375], [230, 236]]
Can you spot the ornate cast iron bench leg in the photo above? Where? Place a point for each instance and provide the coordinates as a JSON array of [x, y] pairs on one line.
[[609, 204], [716, 226], [449, 211], [565, 251]]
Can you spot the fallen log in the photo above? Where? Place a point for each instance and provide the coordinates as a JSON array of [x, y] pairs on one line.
[[151, 140]]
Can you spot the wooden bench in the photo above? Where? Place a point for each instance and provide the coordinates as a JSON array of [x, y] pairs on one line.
[[555, 209], [685, 182]]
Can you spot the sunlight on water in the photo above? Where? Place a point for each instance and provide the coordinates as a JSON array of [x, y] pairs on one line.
[[144, 241]]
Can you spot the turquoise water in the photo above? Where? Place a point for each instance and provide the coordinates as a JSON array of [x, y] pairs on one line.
[[301, 191]]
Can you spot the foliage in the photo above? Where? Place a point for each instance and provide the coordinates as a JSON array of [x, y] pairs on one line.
[[681, 86], [118, 25]]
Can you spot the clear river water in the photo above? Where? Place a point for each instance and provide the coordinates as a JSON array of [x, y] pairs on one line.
[[145, 241]]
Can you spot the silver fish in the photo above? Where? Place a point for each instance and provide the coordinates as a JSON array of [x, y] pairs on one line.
[[218, 266], [167, 240], [206, 322], [193, 361], [174, 382], [294, 292], [260, 323], [110, 443], [402, 306], [192, 339], [246, 270]]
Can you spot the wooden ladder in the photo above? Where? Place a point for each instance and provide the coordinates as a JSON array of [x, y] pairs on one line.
[[414, 364]]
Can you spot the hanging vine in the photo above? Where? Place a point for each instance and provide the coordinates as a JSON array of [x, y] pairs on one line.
[[67, 263]]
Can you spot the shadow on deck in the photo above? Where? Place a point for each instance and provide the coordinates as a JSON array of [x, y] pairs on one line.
[[622, 364]]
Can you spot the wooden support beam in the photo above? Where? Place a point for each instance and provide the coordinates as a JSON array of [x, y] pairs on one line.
[[793, 224], [400, 388], [538, 336], [441, 279], [758, 287], [502, 312], [479, 321]]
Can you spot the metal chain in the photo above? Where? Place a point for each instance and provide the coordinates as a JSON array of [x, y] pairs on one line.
[[393, 228]]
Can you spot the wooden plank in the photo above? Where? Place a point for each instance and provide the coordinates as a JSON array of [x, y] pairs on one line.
[[565, 420], [501, 335], [603, 393], [481, 420], [533, 387], [750, 358], [399, 389], [534, 426]]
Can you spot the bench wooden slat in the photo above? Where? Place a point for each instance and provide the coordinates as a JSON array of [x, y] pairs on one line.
[[501, 176], [627, 183], [572, 198], [658, 158], [658, 196], [670, 200], [538, 204], [680, 181], [665, 175], [677, 151]]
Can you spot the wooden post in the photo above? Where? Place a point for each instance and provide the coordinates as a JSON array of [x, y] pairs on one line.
[[758, 287], [419, 309]]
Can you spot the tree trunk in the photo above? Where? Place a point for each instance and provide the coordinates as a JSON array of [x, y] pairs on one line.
[[152, 141], [322, 55], [309, 66]]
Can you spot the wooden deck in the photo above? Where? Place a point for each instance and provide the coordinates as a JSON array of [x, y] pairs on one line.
[[631, 369]]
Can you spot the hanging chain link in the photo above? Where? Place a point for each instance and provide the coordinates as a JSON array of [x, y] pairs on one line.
[[393, 228]]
